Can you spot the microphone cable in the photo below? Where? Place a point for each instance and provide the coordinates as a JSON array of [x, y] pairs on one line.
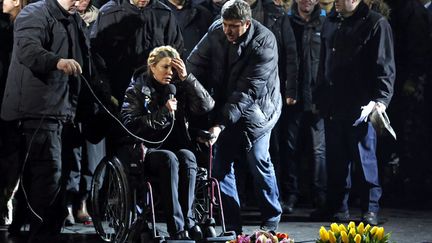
[[120, 123], [21, 178]]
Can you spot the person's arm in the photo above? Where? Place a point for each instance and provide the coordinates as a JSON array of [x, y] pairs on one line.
[[30, 36], [198, 62], [291, 63], [198, 99], [385, 65]]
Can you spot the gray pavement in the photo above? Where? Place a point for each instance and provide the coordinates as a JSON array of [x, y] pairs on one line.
[[406, 226]]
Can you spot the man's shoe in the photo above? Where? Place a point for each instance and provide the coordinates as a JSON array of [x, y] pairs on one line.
[[370, 218], [70, 220], [196, 233], [269, 226], [341, 216], [182, 235]]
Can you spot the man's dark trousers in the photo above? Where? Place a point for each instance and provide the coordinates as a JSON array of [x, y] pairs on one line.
[[343, 140], [43, 168]]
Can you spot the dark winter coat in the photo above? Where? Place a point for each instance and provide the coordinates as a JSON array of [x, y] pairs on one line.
[[356, 64], [194, 24], [145, 113], [6, 40], [412, 37], [275, 19], [248, 90], [308, 38], [35, 88], [123, 36]]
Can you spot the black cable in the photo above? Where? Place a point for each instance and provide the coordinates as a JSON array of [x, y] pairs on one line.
[[120, 123], [23, 167]]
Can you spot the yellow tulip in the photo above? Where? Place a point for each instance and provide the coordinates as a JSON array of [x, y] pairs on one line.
[[352, 232], [367, 228], [357, 238], [360, 228], [351, 225], [332, 237], [380, 233], [342, 228], [344, 237], [373, 230], [324, 235], [335, 228]]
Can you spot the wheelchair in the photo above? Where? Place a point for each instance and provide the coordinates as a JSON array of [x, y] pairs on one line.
[[123, 208]]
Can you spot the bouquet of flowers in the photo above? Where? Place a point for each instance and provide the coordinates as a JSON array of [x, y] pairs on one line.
[[263, 237], [353, 234]]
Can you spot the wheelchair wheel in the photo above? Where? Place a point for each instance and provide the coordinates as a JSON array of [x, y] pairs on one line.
[[110, 201]]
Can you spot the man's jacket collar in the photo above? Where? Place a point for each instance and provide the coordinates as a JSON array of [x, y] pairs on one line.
[[362, 11]]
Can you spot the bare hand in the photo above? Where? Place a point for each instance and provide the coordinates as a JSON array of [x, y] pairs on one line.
[[290, 101], [171, 104], [380, 107], [215, 131], [180, 67], [69, 66]]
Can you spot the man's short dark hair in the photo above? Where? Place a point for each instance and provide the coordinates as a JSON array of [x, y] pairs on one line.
[[236, 10]]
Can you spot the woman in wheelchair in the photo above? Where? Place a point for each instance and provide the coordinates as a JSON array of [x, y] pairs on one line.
[[151, 111]]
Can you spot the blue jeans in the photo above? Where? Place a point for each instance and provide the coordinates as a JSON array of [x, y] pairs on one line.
[[232, 147], [346, 145]]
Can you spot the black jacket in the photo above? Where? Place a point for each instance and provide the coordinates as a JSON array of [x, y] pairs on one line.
[[308, 38], [275, 19], [35, 87], [6, 40], [356, 64], [246, 91], [412, 40], [123, 36], [195, 21], [145, 113]]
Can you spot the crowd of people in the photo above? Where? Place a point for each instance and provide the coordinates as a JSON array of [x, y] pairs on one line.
[[285, 90]]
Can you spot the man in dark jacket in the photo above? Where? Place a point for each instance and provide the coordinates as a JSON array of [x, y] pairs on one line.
[[237, 61], [356, 75], [49, 54], [193, 20], [8, 133], [306, 19], [123, 36]]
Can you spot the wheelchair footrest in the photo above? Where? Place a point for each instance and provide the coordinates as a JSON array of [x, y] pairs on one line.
[[227, 236]]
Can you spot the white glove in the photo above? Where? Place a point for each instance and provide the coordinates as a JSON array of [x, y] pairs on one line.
[[366, 110]]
